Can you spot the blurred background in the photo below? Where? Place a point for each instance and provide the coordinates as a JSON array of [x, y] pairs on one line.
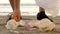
[[29, 9]]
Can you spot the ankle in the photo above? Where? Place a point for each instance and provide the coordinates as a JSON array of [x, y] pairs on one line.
[[42, 12]]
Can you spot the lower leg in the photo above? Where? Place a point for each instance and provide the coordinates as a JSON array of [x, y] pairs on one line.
[[18, 4], [16, 9], [15, 4], [12, 3], [41, 9], [16, 14]]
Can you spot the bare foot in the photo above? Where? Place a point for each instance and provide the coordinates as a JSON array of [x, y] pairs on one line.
[[16, 15]]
